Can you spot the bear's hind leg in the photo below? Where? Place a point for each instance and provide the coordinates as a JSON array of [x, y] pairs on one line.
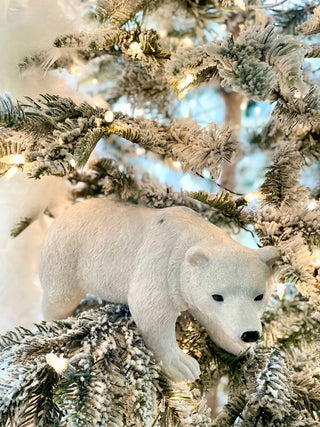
[[57, 306]]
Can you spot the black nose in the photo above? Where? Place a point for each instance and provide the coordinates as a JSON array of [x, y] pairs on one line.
[[250, 336]]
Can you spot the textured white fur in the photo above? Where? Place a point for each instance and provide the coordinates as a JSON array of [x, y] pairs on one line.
[[159, 262]]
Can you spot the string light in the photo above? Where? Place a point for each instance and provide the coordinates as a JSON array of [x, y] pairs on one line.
[[139, 112], [187, 42], [257, 111], [280, 288], [255, 195], [134, 49], [61, 365], [206, 174], [72, 163], [188, 79], [13, 159], [312, 204], [315, 258], [176, 164], [241, 4], [243, 105], [140, 151], [163, 33], [109, 116], [75, 70]]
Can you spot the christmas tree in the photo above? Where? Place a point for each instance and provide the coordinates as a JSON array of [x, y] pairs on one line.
[[122, 99]]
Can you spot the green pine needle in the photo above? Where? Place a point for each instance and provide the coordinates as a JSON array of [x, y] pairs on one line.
[[20, 226]]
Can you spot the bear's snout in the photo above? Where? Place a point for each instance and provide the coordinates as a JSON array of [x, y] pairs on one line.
[[250, 336]]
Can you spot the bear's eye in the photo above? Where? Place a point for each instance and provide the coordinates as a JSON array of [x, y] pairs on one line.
[[259, 297], [217, 297]]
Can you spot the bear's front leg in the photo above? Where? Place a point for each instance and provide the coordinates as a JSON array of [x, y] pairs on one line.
[[156, 321]]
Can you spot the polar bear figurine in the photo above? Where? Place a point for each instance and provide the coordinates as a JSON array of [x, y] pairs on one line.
[[159, 262]]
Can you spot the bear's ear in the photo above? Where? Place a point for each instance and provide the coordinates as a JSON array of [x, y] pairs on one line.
[[197, 255], [269, 255]]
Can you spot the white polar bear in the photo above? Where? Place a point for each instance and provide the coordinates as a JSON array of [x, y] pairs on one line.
[[159, 262]]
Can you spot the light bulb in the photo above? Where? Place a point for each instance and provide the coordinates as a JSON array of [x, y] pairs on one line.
[[255, 195], [109, 116], [187, 42], [59, 364], [186, 81], [243, 104], [176, 164], [315, 258], [280, 288], [72, 162], [140, 151], [312, 204], [134, 49], [75, 70], [241, 4]]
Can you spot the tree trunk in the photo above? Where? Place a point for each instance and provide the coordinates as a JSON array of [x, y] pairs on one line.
[[233, 101]]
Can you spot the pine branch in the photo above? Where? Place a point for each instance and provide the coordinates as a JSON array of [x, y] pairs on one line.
[[224, 203], [259, 63], [281, 186], [185, 141], [290, 323], [114, 378], [10, 114], [291, 19], [119, 12], [135, 44], [269, 400], [139, 86], [313, 25], [21, 226], [61, 133]]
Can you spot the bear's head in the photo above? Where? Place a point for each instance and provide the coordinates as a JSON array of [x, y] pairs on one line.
[[226, 288]]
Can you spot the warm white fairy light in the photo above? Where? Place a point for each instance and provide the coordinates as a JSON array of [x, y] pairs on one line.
[[297, 95], [280, 288], [315, 258], [188, 79], [59, 364], [241, 4], [243, 105], [312, 204], [176, 164], [134, 49], [139, 112], [140, 151], [187, 42], [206, 174], [72, 163], [75, 70], [163, 33], [257, 111], [13, 159], [11, 172], [255, 195], [109, 116]]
